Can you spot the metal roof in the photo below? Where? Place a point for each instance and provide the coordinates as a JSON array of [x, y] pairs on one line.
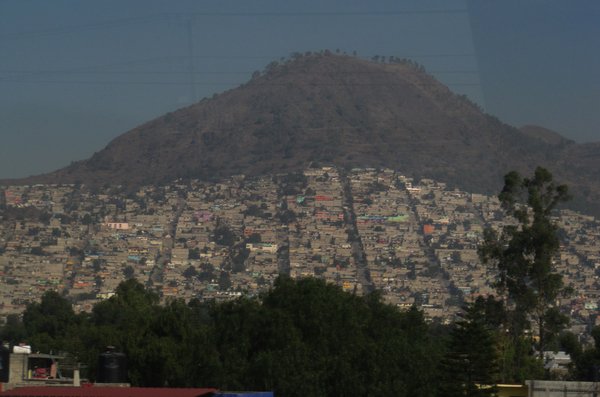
[[101, 391]]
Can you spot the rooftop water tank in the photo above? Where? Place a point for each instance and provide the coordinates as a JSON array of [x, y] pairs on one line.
[[112, 367]]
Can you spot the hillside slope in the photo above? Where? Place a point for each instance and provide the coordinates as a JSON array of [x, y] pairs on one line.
[[339, 110]]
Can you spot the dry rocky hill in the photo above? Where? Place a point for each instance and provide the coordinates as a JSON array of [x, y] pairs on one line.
[[337, 109]]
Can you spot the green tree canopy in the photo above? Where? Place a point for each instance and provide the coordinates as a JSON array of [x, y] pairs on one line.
[[302, 338], [471, 359], [50, 322], [524, 252]]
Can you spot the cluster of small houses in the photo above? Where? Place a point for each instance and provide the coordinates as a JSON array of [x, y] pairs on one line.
[[415, 241]]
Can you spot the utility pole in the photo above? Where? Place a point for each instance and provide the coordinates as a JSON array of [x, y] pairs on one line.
[[192, 67]]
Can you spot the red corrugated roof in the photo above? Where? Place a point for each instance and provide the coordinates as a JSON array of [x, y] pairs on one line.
[[98, 391]]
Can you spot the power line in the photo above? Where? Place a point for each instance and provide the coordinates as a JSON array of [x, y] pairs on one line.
[[26, 75], [216, 72], [189, 16], [333, 13], [128, 82], [83, 27], [93, 69], [90, 68]]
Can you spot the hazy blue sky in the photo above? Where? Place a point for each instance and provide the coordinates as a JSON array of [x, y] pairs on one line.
[[75, 74]]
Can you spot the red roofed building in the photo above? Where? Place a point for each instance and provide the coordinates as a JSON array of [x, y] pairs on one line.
[[101, 391]]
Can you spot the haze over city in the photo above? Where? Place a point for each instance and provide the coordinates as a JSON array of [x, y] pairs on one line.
[[318, 198], [75, 75]]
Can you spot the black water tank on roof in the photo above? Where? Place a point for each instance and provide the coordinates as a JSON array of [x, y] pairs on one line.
[[4, 363], [112, 367]]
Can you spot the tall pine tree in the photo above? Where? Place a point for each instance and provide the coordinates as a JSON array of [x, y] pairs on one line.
[[469, 367]]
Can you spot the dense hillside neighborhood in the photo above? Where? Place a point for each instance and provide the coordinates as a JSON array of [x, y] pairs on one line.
[[364, 229]]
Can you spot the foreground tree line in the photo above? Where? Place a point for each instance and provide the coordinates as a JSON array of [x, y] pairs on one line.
[[305, 337], [302, 338]]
